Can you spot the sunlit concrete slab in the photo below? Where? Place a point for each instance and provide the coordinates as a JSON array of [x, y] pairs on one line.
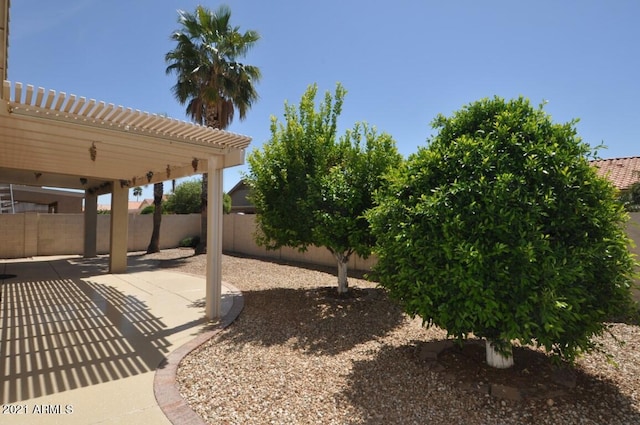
[[81, 346]]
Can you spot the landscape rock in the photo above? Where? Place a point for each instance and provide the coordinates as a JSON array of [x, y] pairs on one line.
[[431, 349], [564, 376], [506, 392]]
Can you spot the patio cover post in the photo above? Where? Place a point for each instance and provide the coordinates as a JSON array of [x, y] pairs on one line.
[[119, 228], [214, 241], [90, 223]]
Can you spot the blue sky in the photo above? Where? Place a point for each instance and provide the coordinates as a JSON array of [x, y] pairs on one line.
[[401, 63]]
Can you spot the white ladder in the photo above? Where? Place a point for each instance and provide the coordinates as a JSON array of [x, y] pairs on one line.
[[7, 203]]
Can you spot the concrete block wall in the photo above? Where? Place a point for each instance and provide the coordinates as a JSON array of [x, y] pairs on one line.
[[239, 231], [12, 235], [34, 234], [173, 229], [57, 233], [30, 234]]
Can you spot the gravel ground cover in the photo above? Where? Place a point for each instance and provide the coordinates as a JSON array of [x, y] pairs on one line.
[[298, 354]]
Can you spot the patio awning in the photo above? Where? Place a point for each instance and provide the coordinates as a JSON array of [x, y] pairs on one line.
[[51, 139]]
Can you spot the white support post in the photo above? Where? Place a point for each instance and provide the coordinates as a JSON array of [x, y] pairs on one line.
[[214, 241]]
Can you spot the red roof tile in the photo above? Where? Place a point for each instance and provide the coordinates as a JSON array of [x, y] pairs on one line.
[[622, 172]]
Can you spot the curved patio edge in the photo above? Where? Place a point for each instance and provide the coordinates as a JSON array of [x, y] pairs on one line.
[[168, 397]]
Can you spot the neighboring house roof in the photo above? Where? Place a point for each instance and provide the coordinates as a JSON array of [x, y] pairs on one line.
[[134, 207], [35, 198], [138, 206], [239, 201], [623, 172], [52, 193]]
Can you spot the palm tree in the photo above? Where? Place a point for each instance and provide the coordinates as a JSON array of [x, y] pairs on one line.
[[211, 81], [137, 192]]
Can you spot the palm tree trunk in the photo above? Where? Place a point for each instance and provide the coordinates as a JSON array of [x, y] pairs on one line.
[[201, 248], [158, 192]]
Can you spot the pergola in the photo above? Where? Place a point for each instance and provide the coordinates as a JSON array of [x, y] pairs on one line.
[[49, 138]]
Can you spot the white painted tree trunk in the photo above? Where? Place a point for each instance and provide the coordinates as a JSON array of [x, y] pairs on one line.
[[496, 359], [343, 284]]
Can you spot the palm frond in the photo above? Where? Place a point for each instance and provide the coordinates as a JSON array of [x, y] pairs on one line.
[[210, 80]]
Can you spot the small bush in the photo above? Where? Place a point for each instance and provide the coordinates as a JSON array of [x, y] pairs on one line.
[[149, 209], [631, 198], [190, 242]]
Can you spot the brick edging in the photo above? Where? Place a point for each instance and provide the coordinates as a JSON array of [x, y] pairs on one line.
[[165, 389]]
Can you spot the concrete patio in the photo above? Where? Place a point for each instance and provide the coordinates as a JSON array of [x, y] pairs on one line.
[[81, 346]]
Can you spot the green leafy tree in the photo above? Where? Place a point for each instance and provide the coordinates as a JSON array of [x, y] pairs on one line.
[[185, 199], [210, 79], [501, 228], [311, 189]]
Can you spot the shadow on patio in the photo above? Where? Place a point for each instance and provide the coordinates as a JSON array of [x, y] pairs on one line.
[[66, 333]]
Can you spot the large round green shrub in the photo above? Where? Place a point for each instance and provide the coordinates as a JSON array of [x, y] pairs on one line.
[[501, 228]]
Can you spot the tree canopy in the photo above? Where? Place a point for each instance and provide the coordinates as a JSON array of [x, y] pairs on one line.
[[311, 187], [185, 199], [211, 80], [501, 228]]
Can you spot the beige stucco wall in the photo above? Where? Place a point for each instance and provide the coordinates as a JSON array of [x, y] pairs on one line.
[[239, 230], [31, 234]]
